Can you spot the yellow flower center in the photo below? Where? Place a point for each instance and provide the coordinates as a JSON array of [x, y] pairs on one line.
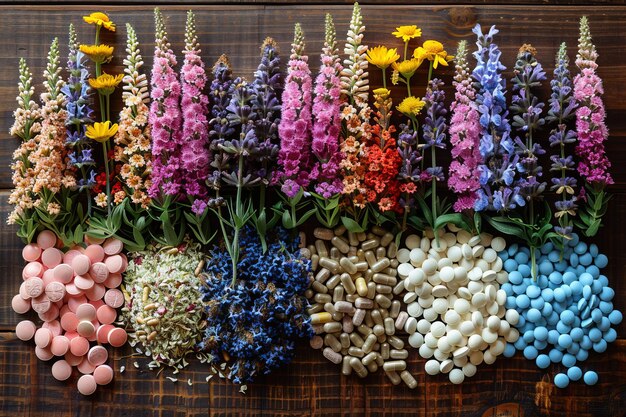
[[98, 53]]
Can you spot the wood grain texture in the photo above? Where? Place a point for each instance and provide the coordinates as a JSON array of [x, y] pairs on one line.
[[311, 386]]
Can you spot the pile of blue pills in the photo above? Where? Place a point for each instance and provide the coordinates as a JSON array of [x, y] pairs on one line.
[[567, 312]]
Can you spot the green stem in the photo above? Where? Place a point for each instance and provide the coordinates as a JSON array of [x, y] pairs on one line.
[[433, 193], [406, 47], [384, 79], [106, 169], [430, 74], [405, 216], [408, 86], [533, 263], [239, 213]]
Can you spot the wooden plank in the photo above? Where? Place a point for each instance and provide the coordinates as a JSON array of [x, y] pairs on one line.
[[238, 31], [195, 3], [310, 386]]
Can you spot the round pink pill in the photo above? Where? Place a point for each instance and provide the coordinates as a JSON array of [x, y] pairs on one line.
[[99, 272], [48, 277], [112, 246], [59, 345], [55, 291], [74, 302], [19, 305], [124, 262], [41, 304], [79, 346], [73, 360], [83, 282], [61, 370], [51, 257], [86, 328], [114, 264], [81, 264], [46, 239], [51, 314], [85, 367], [97, 355], [103, 374], [102, 334], [63, 273], [72, 290], [24, 291], [114, 298], [86, 384], [43, 337], [25, 330], [106, 314], [69, 321], [34, 287], [43, 354], [95, 253], [113, 281], [97, 303], [117, 337], [86, 312], [31, 252], [69, 256], [32, 269], [96, 292], [71, 335], [54, 326]]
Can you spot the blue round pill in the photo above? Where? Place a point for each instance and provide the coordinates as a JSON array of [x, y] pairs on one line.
[[585, 278], [520, 344], [580, 248], [595, 335], [601, 346], [540, 345], [567, 290], [607, 293], [568, 360], [510, 265], [553, 336], [530, 352], [610, 336], [561, 266], [529, 336], [582, 355], [558, 307], [543, 361], [513, 249], [593, 270], [596, 315], [605, 324], [569, 277], [521, 258], [519, 289], [542, 281], [577, 334], [580, 270], [574, 373], [596, 287], [554, 256], [563, 328], [573, 260], [601, 261], [574, 348], [515, 277], [522, 301], [573, 241], [593, 250], [561, 380], [577, 288], [507, 288], [567, 317], [615, 317], [606, 307], [553, 319], [521, 322], [524, 269], [510, 302], [533, 291], [547, 310], [546, 267], [603, 280], [555, 278], [559, 295], [590, 378], [586, 292], [586, 343], [533, 315], [585, 259], [555, 355], [537, 303], [547, 294], [565, 341], [509, 350]]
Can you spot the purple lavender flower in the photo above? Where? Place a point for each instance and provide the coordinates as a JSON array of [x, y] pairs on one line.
[[499, 190], [435, 123]]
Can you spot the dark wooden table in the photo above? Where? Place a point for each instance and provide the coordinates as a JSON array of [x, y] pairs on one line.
[[311, 385]]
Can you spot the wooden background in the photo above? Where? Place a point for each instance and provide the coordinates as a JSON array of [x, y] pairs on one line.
[[311, 385]]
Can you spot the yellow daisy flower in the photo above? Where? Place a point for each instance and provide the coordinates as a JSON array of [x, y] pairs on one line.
[[100, 19], [433, 51], [406, 33], [101, 132], [106, 83], [98, 53], [382, 93], [382, 57], [411, 106], [407, 67]]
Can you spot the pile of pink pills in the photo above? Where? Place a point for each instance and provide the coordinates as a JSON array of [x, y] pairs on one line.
[[75, 295]]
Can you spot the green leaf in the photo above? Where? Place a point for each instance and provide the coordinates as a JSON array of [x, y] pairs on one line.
[[351, 225], [287, 221], [455, 218], [306, 216], [505, 227]]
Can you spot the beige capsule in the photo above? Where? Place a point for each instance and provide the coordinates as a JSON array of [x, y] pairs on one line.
[[358, 367], [364, 330], [381, 253], [359, 316], [386, 239], [385, 350], [364, 303], [382, 301], [351, 298], [390, 328], [338, 316], [408, 379], [385, 279], [346, 369], [322, 298], [395, 309], [383, 289], [340, 244], [333, 327], [348, 266], [348, 326], [370, 244], [381, 265], [347, 283], [314, 309], [344, 307], [369, 358], [393, 377], [332, 356], [334, 254], [330, 264], [333, 282], [356, 340], [356, 352], [399, 354], [332, 342], [338, 294], [323, 233], [321, 318], [378, 330], [403, 316], [319, 287], [344, 339], [394, 366], [361, 266], [322, 275], [315, 259], [368, 321], [396, 342], [371, 290], [378, 231], [370, 340], [153, 322], [372, 367], [352, 239], [377, 316], [361, 286], [392, 249], [321, 249]]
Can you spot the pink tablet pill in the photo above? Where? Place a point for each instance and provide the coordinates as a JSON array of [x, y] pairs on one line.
[[99, 272], [83, 282], [51, 314], [86, 312], [114, 298], [43, 354], [96, 292], [97, 355], [81, 264], [25, 330], [34, 287], [41, 304], [103, 374], [124, 262], [74, 302], [86, 328], [61, 370], [95, 253], [117, 337], [97, 303], [85, 367], [43, 337], [106, 314], [48, 277], [86, 384], [46, 239], [79, 346], [102, 334], [112, 246], [60, 345], [23, 291], [72, 290], [113, 281], [31, 252], [55, 291], [73, 360], [63, 273], [69, 321], [64, 308], [69, 256], [51, 257], [19, 305], [114, 264], [54, 326], [71, 335], [32, 269]]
